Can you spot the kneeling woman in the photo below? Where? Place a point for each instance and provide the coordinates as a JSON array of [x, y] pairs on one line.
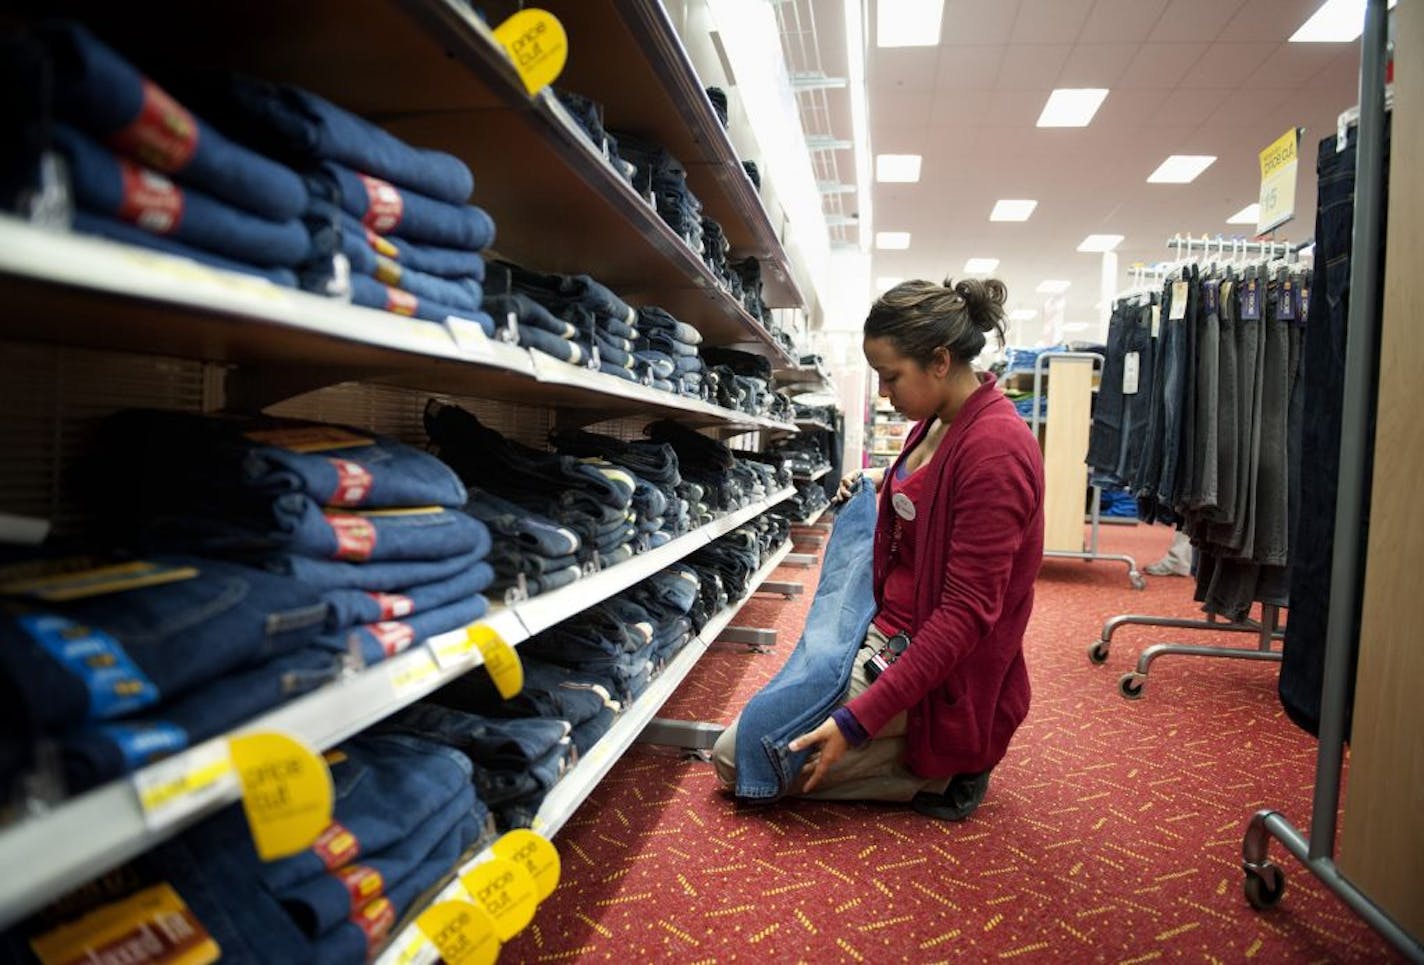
[[958, 543]]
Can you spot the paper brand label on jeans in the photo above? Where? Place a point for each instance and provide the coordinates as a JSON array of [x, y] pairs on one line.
[[362, 883], [388, 272], [115, 683], [355, 537], [150, 926], [1131, 372], [163, 135], [393, 636], [375, 919], [1251, 300], [149, 200], [1178, 308], [384, 205], [393, 605], [62, 584], [383, 246], [336, 846], [353, 483], [308, 438], [1286, 303], [143, 743], [401, 302], [1209, 297], [1304, 303]]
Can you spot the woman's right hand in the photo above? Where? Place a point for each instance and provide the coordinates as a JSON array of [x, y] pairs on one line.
[[848, 482]]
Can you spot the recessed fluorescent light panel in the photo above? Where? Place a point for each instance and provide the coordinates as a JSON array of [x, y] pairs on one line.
[[908, 23], [1023, 314], [1012, 210], [892, 240], [1053, 287], [1071, 106], [1181, 168], [1251, 214], [897, 168], [980, 266], [1335, 22], [885, 283], [1100, 242]]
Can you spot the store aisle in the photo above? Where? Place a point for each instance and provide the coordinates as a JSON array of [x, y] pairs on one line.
[[1112, 831]]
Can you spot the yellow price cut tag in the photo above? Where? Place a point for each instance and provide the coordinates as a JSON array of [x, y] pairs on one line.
[[286, 792], [500, 659], [537, 44], [464, 933], [535, 853], [1279, 164], [507, 891]]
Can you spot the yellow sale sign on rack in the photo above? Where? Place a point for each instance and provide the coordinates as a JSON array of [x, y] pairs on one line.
[[463, 933], [536, 42], [1279, 164], [286, 792]]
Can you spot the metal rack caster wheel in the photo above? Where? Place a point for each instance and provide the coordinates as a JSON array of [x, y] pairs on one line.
[[1130, 685], [1098, 653], [1138, 581], [1264, 886]]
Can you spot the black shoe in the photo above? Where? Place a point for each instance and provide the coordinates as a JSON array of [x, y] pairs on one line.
[[959, 800]]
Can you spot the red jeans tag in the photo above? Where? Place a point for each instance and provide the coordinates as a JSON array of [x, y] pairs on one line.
[[393, 637], [336, 846], [384, 205], [150, 200], [393, 605], [353, 483], [163, 135], [375, 920], [355, 537], [361, 883]]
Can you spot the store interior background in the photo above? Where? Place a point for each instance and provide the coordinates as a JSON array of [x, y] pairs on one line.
[[1215, 78]]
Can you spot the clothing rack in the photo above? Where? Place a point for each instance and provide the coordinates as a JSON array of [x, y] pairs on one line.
[[1090, 551], [1238, 247], [1265, 882]]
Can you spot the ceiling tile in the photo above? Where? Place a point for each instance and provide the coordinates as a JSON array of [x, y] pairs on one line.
[[957, 111], [978, 21], [1096, 65], [911, 68], [1121, 21], [1127, 109], [1014, 108], [1161, 65], [902, 108], [1191, 108], [969, 67], [1188, 20], [1256, 110], [1227, 64], [1269, 20], [1292, 65], [1032, 67], [1050, 21], [1342, 73]]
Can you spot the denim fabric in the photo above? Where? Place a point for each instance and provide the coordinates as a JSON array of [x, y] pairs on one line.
[[530, 530], [1206, 464], [1105, 439], [1173, 343], [378, 577], [462, 293], [296, 524], [492, 743], [689, 367], [115, 187], [549, 691], [183, 454], [558, 292], [550, 581], [106, 227], [619, 330], [98, 91], [620, 371], [433, 260], [306, 126], [742, 363], [525, 785], [323, 902], [1272, 537], [1250, 359], [616, 350], [658, 340], [370, 293], [1186, 473], [113, 655], [508, 560], [553, 345], [1228, 418], [103, 751], [528, 314], [390, 209], [651, 317], [817, 673], [348, 608], [660, 364], [379, 641], [655, 462], [591, 731]]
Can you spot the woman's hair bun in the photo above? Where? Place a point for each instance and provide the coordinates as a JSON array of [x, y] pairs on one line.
[[984, 299]]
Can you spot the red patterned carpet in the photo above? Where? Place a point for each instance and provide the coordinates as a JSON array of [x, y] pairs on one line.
[[1111, 832]]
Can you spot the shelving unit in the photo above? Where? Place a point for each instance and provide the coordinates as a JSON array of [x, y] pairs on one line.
[[813, 518], [412, 948], [812, 476]]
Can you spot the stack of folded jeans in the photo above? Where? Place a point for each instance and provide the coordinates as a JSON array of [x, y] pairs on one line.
[[596, 324], [516, 761], [654, 467], [594, 501], [749, 269], [550, 691], [664, 180], [122, 661], [668, 597], [612, 641], [396, 214], [371, 523], [718, 97], [753, 173], [808, 452], [777, 468], [588, 114], [714, 255], [144, 170], [530, 551], [670, 347], [810, 497], [782, 408], [405, 815], [703, 461]]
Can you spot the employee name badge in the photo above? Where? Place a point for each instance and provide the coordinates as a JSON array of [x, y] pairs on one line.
[[1131, 368], [904, 506]]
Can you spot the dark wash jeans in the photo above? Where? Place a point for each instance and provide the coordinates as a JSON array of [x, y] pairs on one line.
[[499, 744], [350, 608], [380, 640], [431, 259], [115, 654], [1323, 381], [421, 219], [104, 226], [817, 673]]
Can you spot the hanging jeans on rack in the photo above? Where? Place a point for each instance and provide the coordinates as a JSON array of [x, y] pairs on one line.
[[1206, 444]]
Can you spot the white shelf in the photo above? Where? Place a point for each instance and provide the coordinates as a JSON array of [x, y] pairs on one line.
[[812, 477], [813, 424], [565, 798], [87, 835]]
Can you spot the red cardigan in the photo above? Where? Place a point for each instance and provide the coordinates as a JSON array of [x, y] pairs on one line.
[[963, 680]]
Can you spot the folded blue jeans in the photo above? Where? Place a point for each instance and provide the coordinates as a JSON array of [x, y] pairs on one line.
[[493, 743], [499, 786], [379, 577], [370, 293], [120, 188], [103, 226], [552, 345], [98, 91], [509, 560], [527, 313], [558, 292], [349, 608], [463, 293], [389, 209], [661, 364], [512, 522], [616, 328], [115, 654], [313, 128], [380, 641], [431, 259], [652, 317]]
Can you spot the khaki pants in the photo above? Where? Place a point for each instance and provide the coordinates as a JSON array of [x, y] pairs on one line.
[[875, 771]]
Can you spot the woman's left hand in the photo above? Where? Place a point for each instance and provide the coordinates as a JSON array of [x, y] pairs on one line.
[[832, 747]]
